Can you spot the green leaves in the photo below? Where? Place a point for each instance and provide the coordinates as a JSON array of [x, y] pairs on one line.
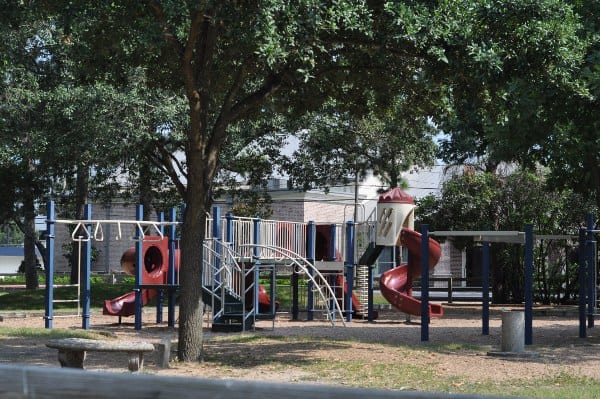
[[336, 146]]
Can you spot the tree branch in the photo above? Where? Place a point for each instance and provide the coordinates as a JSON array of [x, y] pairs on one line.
[[250, 102], [234, 89], [205, 47], [194, 35], [166, 162], [167, 31], [404, 49]]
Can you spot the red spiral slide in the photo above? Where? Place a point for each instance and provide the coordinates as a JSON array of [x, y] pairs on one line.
[[396, 284]]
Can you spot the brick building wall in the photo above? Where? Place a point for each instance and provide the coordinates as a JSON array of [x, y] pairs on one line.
[[325, 212], [292, 211], [311, 206]]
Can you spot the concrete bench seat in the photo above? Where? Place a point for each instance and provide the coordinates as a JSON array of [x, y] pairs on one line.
[[72, 351]]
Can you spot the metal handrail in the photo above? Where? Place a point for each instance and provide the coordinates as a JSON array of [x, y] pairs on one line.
[[320, 283]]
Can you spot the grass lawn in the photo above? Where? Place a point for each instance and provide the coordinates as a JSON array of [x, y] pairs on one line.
[[33, 300]]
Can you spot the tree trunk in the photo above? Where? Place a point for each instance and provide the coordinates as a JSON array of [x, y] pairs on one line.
[[190, 271]]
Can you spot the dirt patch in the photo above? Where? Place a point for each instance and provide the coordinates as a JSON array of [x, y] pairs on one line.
[[456, 347]]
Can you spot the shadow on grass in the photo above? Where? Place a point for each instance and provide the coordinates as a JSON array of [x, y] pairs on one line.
[[252, 351]]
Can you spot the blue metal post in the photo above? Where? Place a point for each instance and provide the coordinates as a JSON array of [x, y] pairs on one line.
[[160, 293], [272, 289], [257, 263], [591, 270], [349, 266], [256, 237], [485, 283], [424, 282], [332, 256], [217, 235], [49, 294], [582, 279], [229, 229], [528, 284], [332, 238], [171, 276], [139, 265], [295, 305], [370, 311], [310, 257], [86, 272]]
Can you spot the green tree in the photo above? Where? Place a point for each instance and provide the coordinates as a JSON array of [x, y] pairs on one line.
[[65, 136], [91, 130], [535, 109], [26, 73], [337, 146], [507, 201], [571, 147]]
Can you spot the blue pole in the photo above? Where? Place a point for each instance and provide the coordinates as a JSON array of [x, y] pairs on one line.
[[349, 266], [528, 284], [139, 265], [229, 228], [582, 279], [86, 272], [171, 275], [424, 282], [295, 305], [332, 280], [160, 294], [591, 270], [485, 283], [256, 239], [370, 312], [217, 235], [49, 295], [333, 238], [310, 257]]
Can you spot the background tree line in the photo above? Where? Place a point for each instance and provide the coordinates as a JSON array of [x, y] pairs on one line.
[[507, 199]]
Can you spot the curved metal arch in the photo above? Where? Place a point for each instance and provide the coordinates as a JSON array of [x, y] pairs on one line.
[[301, 262]]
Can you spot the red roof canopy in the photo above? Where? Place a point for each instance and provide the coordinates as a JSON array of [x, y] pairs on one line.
[[397, 196]]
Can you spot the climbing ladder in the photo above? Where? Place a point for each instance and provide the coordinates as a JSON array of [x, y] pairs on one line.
[[365, 236]]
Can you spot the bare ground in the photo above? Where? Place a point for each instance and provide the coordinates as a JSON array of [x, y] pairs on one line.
[[459, 348]]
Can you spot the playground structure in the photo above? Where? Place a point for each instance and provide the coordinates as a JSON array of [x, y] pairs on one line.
[[239, 252]]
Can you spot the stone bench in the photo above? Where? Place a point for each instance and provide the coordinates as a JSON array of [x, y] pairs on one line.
[[72, 351]]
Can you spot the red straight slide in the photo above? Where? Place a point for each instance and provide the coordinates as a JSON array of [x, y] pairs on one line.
[[124, 305], [396, 284]]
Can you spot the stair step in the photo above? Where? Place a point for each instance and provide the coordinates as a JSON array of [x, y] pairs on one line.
[[231, 323]]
